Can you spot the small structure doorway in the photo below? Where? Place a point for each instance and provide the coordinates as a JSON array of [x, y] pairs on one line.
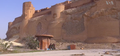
[[44, 41]]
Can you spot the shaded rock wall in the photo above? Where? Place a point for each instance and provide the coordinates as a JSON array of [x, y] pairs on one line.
[[103, 23]]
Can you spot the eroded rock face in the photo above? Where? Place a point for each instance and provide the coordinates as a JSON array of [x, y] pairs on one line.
[[94, 21]]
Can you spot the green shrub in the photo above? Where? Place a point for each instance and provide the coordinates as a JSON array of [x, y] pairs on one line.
[[31, 42]]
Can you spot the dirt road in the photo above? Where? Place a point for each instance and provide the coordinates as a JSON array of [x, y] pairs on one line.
[[89, 52]]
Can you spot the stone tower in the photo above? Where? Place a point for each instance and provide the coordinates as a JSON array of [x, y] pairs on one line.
[[56, 24], [28, 11]]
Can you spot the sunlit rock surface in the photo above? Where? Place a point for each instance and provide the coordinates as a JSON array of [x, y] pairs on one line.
[[79, 20]]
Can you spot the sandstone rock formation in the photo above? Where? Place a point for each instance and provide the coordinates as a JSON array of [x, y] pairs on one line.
[[79, 20]]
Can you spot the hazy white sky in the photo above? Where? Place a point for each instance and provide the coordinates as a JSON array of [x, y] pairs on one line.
[[10, 9]]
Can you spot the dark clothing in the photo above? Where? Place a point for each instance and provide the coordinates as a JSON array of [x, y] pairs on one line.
[[52, 46]]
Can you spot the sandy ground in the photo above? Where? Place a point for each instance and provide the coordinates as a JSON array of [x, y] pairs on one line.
[[88, 52]]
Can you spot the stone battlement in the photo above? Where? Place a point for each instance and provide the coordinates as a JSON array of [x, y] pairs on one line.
[[67, 4]]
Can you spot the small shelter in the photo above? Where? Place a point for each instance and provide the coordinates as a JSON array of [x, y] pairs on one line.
[[44, 41]]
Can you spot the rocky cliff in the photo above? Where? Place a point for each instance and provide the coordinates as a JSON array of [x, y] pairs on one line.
[[80, 20]]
